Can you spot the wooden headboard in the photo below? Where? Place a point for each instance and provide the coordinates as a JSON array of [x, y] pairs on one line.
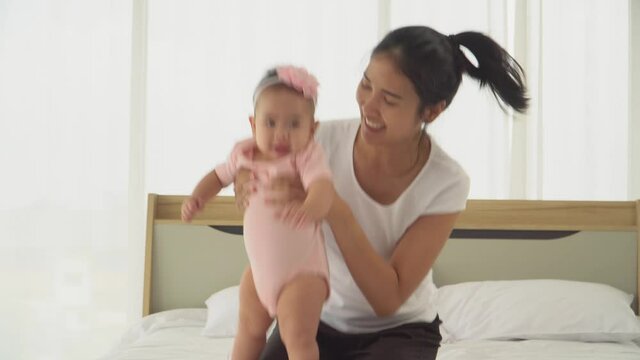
[[595, 241]]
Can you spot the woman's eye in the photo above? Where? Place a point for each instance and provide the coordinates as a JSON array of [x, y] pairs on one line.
[[389, 102], [365, 85]]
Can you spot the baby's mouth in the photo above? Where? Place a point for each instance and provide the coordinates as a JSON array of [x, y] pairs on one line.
[[282, 149]]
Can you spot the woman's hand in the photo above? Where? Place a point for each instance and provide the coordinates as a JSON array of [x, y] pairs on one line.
[[283, 191], [295, 214], [243, 187]]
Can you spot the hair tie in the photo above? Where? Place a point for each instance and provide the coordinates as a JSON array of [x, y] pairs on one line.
[[294, 77]]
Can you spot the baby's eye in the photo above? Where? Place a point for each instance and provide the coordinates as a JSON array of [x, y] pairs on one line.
[[294, 124], [271, 123]]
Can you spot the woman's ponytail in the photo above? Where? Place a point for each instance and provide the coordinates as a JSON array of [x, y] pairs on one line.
[[434, 63], [495, 68]]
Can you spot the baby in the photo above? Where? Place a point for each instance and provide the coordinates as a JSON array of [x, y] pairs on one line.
[[289, 277]]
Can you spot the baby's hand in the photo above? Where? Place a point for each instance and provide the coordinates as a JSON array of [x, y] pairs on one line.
[[190, 207], [295, 214]]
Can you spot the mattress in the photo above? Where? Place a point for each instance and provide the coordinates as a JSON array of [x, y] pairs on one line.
[[176, 334]]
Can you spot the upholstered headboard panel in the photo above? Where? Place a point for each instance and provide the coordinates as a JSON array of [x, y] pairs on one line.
[[492, 240]]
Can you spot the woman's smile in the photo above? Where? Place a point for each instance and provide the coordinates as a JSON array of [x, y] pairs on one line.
[[374, 126]]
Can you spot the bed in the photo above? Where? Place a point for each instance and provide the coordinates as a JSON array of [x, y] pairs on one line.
[[517, 280]]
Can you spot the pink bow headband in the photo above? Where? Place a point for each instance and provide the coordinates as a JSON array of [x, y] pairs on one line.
[[296, 78]]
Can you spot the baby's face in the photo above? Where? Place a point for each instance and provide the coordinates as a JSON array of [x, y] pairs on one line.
[[283, 122]]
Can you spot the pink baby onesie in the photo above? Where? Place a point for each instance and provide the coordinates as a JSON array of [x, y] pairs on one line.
[[277, 251]]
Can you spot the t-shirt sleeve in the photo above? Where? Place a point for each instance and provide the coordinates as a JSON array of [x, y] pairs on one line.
[[227, 170], [451, 198], [312, 165]]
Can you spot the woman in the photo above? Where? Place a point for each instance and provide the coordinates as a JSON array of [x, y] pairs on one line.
[[398, 194]]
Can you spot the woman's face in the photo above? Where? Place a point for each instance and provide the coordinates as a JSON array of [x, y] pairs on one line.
[[388, 104]]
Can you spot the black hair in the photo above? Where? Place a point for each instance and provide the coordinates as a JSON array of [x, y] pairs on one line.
[[434, 63]]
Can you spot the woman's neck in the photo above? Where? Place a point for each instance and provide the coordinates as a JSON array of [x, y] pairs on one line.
[[394, 160]]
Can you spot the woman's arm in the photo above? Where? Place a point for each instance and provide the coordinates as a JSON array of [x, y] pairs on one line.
[[388, 284]]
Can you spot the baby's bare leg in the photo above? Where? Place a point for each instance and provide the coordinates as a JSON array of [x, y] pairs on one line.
[[298, 312], [253, 321]]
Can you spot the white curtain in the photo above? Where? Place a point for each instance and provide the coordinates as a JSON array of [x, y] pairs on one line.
[[70, 261], [64, 134], [583, 99]]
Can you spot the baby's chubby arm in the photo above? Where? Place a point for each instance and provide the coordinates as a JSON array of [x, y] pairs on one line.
[[207, 188]]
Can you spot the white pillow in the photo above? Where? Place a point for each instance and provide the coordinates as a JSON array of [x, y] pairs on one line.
[[222, 313], [537, 309]]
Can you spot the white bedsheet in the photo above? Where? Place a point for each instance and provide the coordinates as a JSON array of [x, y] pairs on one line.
[[176, 335], [537, 349], [173, 334], [184, 343]]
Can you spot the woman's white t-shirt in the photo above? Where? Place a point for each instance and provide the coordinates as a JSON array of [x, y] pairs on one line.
[[441, 187]]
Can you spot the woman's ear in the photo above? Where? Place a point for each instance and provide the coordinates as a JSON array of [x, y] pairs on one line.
[[432, 112]]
